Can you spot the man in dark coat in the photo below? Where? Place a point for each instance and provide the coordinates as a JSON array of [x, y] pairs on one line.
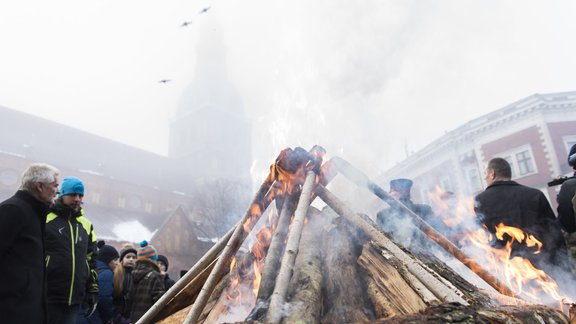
[[508, 202], [566, 206], [22, 272], [400, 189]]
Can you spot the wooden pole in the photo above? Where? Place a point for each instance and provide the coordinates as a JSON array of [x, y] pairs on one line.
[[273, 258], [362, 180], [274, 315], [230, 249], [187, 278]]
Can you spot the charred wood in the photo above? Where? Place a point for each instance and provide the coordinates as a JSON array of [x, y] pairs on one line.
[[305, 294], [344, 300], [457, 313], [278, 298], [273, 258]]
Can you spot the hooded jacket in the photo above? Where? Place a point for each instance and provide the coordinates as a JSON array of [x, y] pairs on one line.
[[70, 250], [147, 288], [22, 273]]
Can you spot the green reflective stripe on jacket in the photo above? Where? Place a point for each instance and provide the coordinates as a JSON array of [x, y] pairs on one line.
[[72, 241]]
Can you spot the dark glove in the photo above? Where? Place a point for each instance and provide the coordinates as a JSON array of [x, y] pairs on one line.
[[92, 302]]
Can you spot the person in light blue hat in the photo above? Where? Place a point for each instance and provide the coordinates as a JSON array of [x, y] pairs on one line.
[[72, 279]]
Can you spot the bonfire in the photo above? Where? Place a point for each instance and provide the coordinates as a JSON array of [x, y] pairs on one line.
[[287, 261]]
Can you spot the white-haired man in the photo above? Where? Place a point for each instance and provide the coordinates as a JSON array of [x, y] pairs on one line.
[[22, 270]]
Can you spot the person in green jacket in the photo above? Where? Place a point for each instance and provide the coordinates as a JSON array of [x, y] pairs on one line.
[[70, 243]]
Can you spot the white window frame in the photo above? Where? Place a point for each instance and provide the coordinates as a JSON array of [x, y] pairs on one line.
[[512, 154], [478, 184], [568, 142]]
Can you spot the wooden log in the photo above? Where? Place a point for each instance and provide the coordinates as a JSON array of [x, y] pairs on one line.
[[472, 294], [305, 293], [273, 258], [427, 296], [344, 300], [457, 313], [431, 282], [158, 311], [179, 316], [278, 298], [390, 293]]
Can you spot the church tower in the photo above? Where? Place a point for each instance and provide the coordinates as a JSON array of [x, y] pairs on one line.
[[210, 135]]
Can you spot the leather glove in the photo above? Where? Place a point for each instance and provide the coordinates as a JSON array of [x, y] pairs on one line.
[[92, 302]]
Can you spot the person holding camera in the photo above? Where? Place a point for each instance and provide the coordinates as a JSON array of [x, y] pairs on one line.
[[566, 205], [564, 198]]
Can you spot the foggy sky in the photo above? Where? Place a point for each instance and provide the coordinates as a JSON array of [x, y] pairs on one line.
[[370, 81]]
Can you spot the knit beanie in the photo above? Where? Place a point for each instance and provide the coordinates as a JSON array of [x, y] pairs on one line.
[[127, 248], [163, 259], [71, 185], [147, 251], [107, 253]]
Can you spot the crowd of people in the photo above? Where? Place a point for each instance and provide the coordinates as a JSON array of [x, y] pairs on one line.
[[55, 271]]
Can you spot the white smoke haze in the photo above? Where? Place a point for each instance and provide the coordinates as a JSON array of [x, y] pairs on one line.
[[369, 80]]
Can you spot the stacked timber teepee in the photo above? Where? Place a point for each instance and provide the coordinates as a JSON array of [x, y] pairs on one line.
[[331, 265]]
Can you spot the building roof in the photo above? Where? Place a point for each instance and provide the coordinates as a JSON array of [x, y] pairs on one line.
[[38, 139]]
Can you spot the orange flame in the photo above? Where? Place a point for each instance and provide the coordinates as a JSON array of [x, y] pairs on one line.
[[519, 273]]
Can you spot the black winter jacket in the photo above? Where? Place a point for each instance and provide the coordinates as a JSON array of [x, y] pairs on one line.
[[565, 207], [22, 275], [526, 208], [70, 256]]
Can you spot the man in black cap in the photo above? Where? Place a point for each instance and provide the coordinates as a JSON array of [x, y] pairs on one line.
[[400, 189]]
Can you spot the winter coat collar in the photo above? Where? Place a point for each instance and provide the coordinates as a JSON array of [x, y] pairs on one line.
[[64, 211], [503, 183], [36, 204]]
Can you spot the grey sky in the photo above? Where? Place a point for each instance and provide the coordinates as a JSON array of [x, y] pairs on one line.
[[368, 80]]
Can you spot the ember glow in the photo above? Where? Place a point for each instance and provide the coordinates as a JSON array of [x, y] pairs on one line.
[[520, 275]]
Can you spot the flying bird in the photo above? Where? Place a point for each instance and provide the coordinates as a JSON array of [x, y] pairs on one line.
[[164, 81], [204, 10], [186, 23]]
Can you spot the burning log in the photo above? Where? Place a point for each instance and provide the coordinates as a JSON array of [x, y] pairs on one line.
[[305, 294], [430, 281], [273, 259], [280, 290], [344, 290]]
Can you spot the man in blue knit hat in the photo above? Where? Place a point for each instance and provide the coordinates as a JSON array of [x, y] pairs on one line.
[[70, 256]]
